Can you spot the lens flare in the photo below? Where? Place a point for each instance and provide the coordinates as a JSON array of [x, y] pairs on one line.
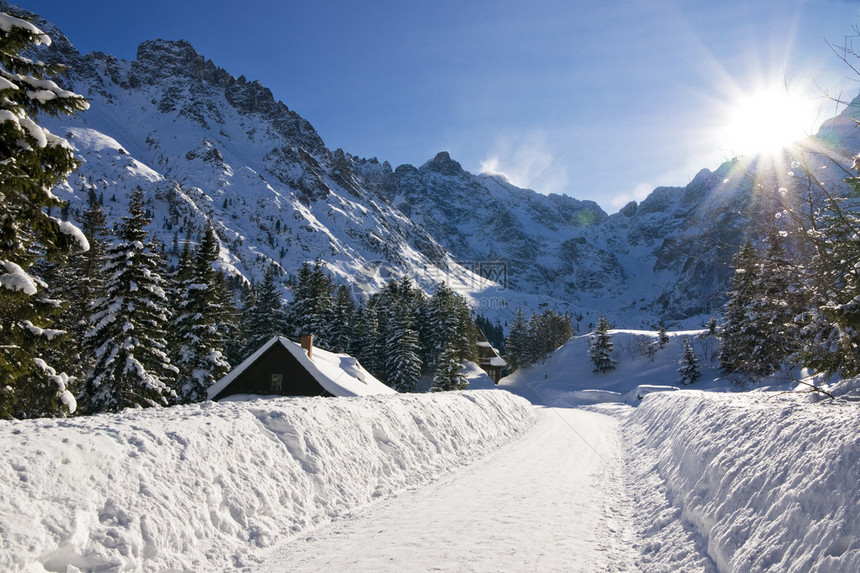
[[768, 120]]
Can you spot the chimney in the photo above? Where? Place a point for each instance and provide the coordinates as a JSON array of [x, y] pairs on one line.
[[307, 342]]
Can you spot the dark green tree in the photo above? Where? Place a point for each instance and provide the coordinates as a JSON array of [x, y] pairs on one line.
[[689, 365], [312, 309], [601, 346], [449, 372], [79, 283], [517, 343], [397, 307], [262, 316], [127, 337], [779, 304], [32, 162], [343, 321], [199, 324], [365, 342], [741, 334], [830, 335]]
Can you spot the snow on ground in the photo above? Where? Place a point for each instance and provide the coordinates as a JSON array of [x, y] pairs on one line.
[[721, 479], [760, 481], [203, 487], [707, 478], [553, 500]]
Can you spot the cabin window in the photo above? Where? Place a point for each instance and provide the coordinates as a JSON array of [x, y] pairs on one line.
[[277, 382]]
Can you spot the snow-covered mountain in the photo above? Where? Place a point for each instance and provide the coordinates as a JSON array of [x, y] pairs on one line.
[[203, 144]]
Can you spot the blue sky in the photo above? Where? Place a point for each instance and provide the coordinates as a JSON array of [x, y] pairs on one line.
[[596, 99]]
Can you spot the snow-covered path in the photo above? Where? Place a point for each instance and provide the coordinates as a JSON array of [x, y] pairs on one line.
[[550, 501]]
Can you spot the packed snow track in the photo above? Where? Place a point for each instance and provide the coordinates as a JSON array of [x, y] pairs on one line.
[[549, 501]]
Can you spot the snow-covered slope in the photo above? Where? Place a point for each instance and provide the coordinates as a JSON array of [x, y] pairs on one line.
[[203, 487]]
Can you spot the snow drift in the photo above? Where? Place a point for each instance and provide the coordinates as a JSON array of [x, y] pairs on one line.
[[761, 482], [205, 486]]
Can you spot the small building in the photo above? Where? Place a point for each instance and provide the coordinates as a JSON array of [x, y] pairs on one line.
[[489, 359], [282, 367]]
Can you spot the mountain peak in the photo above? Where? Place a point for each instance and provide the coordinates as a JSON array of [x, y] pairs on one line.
[[160, 59], [443, 164]]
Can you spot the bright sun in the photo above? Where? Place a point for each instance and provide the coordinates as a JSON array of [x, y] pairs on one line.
[[767, 120]]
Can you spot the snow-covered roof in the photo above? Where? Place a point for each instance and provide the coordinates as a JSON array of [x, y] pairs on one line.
[[339, 374], [498, 361]]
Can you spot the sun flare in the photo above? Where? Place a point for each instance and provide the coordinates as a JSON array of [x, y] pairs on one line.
[[767, 120]]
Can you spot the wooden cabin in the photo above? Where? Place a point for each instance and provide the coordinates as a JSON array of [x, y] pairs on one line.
[[489, 359], [282, 367]]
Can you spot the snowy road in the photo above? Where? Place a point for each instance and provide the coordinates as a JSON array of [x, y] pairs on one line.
[[550, 501]]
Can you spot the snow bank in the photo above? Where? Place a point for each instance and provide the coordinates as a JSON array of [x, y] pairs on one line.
[[203, 487], [762, 482]]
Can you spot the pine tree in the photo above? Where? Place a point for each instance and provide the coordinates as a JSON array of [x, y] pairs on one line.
[[263, 319], [438, 325], [365, 343], [397, 306], [600, 348], [517, 342], [312, 309], [79, 283], [547, 331], [662, 335], [127, 335], [401, 351], [831, 326], [689, 365], [198, 324], [466, 334], [740, 334], [449, 372], [32, 161], [777, 307], [342, 321]]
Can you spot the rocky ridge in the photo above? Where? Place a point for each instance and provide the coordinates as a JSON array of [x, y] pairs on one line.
[[204, 145]]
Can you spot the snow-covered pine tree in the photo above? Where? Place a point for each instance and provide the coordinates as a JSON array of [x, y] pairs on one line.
[[32, 162], [831, 329], [547, 331], [127, 334], [342, 321], [466, 336], [689, 365], [312, 309], [365, 344], [262, 317], [449, 372], [198, 324], [778, 306], [438, 325], [401, 351], [397, 306], [600, 347], [79, 283], [517, 342], [446, 322], [740, 334]]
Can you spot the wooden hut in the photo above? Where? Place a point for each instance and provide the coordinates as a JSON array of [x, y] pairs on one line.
[[282, 367], [489, 359]]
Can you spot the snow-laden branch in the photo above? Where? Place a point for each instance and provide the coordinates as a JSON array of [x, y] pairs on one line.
[[15, 278]]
